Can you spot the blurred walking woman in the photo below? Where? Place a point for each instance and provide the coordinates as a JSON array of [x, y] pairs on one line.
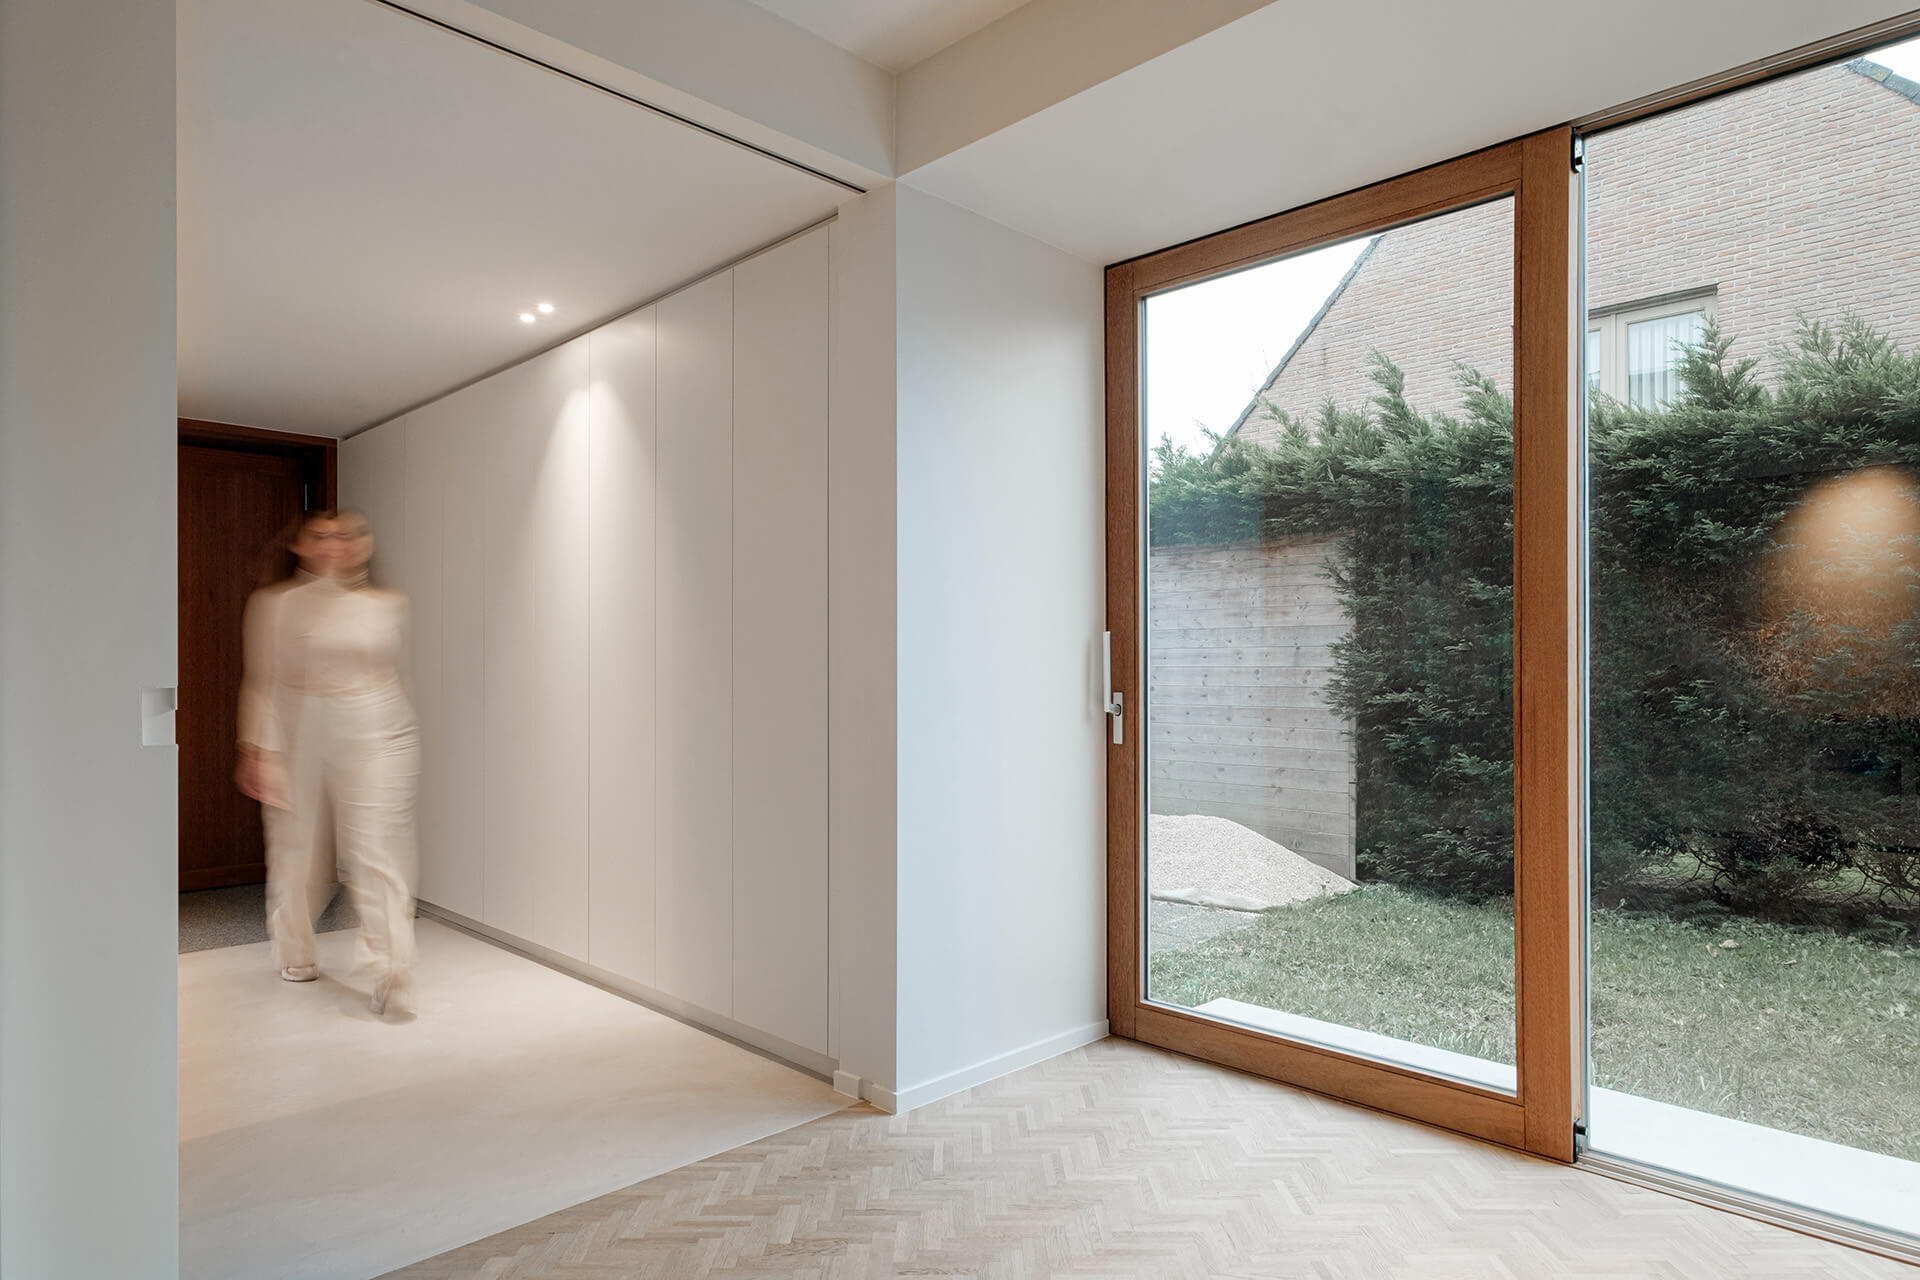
[[353, 743], [300, 878]]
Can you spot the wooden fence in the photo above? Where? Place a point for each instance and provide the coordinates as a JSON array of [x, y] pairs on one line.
[[1240, 654]]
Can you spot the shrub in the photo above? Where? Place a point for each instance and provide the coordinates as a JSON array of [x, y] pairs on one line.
[[1755, 645]]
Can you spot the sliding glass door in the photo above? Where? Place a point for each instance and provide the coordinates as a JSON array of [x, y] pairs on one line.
[[1346, 519], [1753, 362]]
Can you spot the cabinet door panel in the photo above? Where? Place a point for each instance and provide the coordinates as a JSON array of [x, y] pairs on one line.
[[780, 641], [620, 630], [444, 874], [534, 421], [460, 846], [373, 482], [694, 911]]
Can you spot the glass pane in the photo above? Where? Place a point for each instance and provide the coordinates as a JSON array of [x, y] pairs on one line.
[[1330, 646], [1654, 348], [1593, 359], [1755, 650]]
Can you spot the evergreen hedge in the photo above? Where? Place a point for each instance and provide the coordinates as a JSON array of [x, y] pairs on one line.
[[1755, 639]]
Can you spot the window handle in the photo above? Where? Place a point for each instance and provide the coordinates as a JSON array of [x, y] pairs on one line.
[[1114, 702]]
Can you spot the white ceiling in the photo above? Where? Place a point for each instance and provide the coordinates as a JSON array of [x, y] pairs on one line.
[[1296, 102], [367, 203], [894, 34]]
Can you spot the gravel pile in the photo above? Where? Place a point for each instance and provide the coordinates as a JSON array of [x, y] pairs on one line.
[[1215, 862]]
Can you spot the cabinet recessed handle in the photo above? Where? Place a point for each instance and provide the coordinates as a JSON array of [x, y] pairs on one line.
[[156, 717]]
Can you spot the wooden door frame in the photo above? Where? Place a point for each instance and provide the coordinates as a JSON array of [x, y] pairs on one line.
[[320, 454], [1538, 173]]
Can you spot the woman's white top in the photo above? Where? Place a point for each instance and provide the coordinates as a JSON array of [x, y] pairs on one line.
[[316, 638]]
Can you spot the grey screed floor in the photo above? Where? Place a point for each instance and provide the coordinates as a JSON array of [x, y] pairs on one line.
[[1121, 1161], [234, 917]]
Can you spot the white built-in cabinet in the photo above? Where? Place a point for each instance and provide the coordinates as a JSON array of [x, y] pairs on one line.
[[422, 520], [779, 605], [615, 554], [622, 641], [693, 593]]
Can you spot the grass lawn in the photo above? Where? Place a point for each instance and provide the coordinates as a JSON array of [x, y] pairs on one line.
[[1809, 1032]]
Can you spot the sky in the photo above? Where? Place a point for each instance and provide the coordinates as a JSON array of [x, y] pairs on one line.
[[1902, 59], [1211, 346]]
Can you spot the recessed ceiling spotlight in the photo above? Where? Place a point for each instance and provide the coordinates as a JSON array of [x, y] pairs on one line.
[[526, 317], [546, 308]]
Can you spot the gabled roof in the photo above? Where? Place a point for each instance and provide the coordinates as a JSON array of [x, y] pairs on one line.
[[1305, 333], [1886, 77]]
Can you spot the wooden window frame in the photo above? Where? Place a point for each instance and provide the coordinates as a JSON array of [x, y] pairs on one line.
[[1537, 172]]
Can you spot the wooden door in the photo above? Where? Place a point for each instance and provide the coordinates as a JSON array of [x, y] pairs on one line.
[[1509, 213], [232, 505]]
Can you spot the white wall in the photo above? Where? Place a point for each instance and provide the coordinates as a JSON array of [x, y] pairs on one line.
[[1002, 822], [616, 554], [88, 861]]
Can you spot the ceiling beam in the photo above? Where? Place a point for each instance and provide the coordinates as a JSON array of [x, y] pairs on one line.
[[726, 65]]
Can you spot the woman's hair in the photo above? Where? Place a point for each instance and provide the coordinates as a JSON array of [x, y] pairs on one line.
[[277, 560]]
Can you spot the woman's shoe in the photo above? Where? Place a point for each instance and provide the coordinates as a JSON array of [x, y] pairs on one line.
[[387, 994], [300, 972]]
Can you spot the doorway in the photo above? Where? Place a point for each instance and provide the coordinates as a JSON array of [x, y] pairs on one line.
[[239, 490], [468, 268]]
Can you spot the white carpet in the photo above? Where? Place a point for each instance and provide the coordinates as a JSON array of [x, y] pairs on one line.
[[320, 1141]]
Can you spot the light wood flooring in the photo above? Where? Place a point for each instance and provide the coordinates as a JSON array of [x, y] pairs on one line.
[[1119, 1161]]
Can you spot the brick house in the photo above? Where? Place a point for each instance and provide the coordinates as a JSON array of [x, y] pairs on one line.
[[1793, 197], [1689, 213]]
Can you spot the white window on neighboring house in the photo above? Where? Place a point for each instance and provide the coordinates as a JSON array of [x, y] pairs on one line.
[[1633, 352]]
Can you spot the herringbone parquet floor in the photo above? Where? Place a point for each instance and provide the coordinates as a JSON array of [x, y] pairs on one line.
[[1119, 1162]]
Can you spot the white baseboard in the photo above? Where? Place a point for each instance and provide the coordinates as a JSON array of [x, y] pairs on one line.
[[808, 1060], [799, 1056], [954, 1082]]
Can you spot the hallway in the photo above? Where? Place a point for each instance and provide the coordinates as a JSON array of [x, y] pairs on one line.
[[319, 1141]]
